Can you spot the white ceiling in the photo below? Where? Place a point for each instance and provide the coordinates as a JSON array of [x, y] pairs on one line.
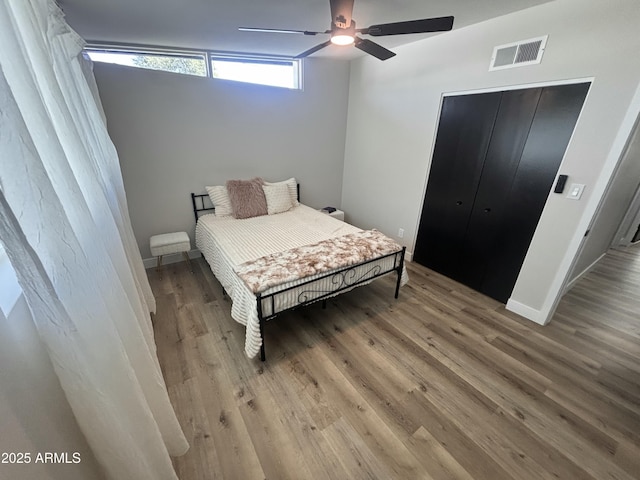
[[213, 24]]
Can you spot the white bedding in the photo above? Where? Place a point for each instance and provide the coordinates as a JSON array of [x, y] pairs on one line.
[[227, 242]]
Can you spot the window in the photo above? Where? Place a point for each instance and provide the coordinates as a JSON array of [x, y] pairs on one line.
[[272, 71], [187, 64]]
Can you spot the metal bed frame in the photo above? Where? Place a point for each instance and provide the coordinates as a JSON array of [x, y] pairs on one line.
[[342, 279]]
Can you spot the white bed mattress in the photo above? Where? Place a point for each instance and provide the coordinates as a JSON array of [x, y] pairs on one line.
[[227, 242]]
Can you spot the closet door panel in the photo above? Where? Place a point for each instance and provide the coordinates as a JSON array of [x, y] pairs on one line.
[[466, 125], [551, 130], [515, 116]]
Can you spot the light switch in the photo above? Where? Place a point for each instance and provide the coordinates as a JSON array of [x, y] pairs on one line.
[[575, 191]]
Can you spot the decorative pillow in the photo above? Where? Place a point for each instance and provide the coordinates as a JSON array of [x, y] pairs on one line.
[[292, 185], [220, 199], [247, 198], [278, 198]]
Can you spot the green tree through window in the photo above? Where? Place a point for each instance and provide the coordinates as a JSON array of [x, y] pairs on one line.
[[188, 66]]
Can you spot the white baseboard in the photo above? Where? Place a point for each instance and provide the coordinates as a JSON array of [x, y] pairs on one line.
[[570, 285], [536, 315], [167, 259], [526, 311]]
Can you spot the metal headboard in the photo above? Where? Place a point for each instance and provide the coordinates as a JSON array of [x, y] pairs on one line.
[[197, 200]]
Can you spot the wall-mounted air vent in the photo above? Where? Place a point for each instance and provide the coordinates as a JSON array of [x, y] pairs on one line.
[[518, 54]]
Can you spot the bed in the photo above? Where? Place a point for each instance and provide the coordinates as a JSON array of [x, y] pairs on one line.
[[273, 263]]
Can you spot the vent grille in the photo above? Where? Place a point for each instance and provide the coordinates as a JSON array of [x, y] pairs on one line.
[[518, 54]]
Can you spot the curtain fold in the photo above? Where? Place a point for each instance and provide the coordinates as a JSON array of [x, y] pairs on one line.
[[65, 226]]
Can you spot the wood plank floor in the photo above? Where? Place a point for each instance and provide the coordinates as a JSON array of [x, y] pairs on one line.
[[442, 383]]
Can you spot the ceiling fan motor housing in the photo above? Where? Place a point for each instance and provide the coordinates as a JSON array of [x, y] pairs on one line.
[[340, 21]]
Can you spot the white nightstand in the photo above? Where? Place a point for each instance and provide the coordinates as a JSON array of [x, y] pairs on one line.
[[339, 214]]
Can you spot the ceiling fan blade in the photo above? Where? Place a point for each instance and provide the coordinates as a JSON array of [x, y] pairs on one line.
[[440, 24], [373, 48], [279, 30], [341, 11], [306, 53]]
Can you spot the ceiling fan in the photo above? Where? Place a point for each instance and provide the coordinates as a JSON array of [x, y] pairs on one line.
[[343, 30]]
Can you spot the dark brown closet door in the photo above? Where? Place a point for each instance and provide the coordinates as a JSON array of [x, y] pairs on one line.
[[466, 125], [515, 116], [551, 130], [494, 162]]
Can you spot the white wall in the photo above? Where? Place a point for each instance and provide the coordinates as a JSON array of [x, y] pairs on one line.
[[34, 414], [175, 134], [393, 114], [614, 206]]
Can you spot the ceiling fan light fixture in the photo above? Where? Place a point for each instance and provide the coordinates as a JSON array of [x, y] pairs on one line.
[[342, 39]]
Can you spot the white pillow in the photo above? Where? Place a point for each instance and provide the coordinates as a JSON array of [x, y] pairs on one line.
[[220, 199], [278, 198], [292, 185]]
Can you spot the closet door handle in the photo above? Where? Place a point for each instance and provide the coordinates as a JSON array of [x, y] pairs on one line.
[[487, 210], [459, 202]]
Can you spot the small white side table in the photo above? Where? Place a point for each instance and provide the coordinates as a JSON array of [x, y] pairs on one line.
[[168, 243], [339, 214]]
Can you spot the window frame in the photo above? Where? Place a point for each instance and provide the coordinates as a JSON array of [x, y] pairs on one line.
[[295, 63], [151, 51], [208, 56]]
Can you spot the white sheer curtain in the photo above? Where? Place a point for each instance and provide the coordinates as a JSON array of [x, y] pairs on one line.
[[65, 226]]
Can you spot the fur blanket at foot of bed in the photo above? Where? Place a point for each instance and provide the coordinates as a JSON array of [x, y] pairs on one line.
[[321, 257]]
